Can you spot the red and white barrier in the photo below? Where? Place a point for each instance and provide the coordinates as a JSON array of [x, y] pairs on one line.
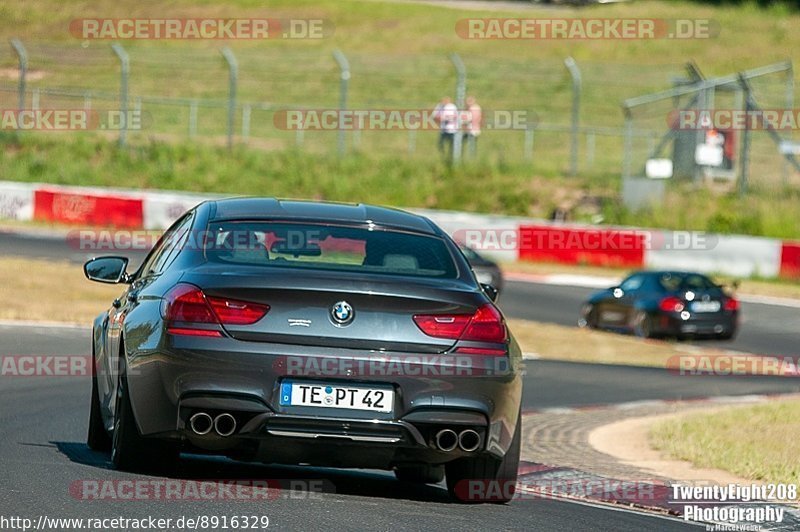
[[501, 237]]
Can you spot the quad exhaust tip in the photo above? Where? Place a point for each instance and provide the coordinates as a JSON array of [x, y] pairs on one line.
[[225, 424], [469, 440], [201, 423], [446, 440]]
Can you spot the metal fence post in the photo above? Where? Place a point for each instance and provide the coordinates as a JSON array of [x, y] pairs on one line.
[[628, 144], [744, 156], [575, 73], [344, 80], [22, 55], [124, 62], [233, 78], [461, 92]]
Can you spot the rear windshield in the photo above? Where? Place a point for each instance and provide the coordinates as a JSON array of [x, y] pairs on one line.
[[686, 281], [329, 247]]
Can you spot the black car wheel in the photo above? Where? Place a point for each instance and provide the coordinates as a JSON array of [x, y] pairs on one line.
[[129, 450], [97, 438], [420, 474], [728, 335], [496, 479], [643, 325], [588, 317]]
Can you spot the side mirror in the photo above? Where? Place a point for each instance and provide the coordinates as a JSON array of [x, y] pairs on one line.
[[490, 291], [109, 270]]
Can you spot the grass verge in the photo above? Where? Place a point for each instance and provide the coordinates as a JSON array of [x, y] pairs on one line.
[[51, 291], [759, 442]]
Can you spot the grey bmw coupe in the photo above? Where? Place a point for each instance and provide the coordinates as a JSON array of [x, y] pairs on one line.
[[313, 333]]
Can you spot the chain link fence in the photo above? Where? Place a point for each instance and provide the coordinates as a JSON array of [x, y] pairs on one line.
[[571, 124]]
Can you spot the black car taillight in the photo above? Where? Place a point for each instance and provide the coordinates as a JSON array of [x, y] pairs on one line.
[[486, 325], [731, 304], [186, 304], [671, 304]]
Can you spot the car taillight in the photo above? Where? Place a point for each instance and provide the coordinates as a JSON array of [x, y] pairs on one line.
[[234, 312], [731, 304], [671, 304], [187, 304], [442, 325], [486, 325]]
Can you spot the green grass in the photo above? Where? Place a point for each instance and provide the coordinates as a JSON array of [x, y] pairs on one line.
[[757, 442]]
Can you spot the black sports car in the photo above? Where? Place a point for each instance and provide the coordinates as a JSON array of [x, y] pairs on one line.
[[664, 303], [308, 333]]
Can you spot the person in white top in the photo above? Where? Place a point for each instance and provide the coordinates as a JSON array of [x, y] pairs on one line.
[[473, 118], [446, 115]]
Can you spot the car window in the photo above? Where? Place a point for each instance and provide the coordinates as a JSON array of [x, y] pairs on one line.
[[670, 281], [167, 248], [329, 247], [632, 283], [697, 282]]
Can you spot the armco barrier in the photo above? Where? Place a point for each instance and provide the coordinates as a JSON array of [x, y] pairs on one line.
[[582, 245], [16, 201], [69, 207], [741, 256], [531, 239], [790, 259]]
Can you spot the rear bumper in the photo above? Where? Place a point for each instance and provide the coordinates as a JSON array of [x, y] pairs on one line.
[[698, 324], [186, 375]]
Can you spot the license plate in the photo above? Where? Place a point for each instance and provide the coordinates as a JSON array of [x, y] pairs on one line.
[[705, 306], [336, 396]]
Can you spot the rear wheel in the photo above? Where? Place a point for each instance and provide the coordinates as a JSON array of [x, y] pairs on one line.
[[97, 438], [485, 478], [728, 335], [643, 325], [588, 317], [129, 450], [420, 474]]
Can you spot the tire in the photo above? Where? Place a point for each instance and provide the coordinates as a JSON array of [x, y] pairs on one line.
[[642, 325], [589, 317], [730, 335], [97, 437], [129, 450], [420, 474], [495, 479]]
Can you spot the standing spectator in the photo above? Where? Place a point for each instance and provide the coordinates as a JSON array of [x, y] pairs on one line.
[[473, 119], [446, 115]]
